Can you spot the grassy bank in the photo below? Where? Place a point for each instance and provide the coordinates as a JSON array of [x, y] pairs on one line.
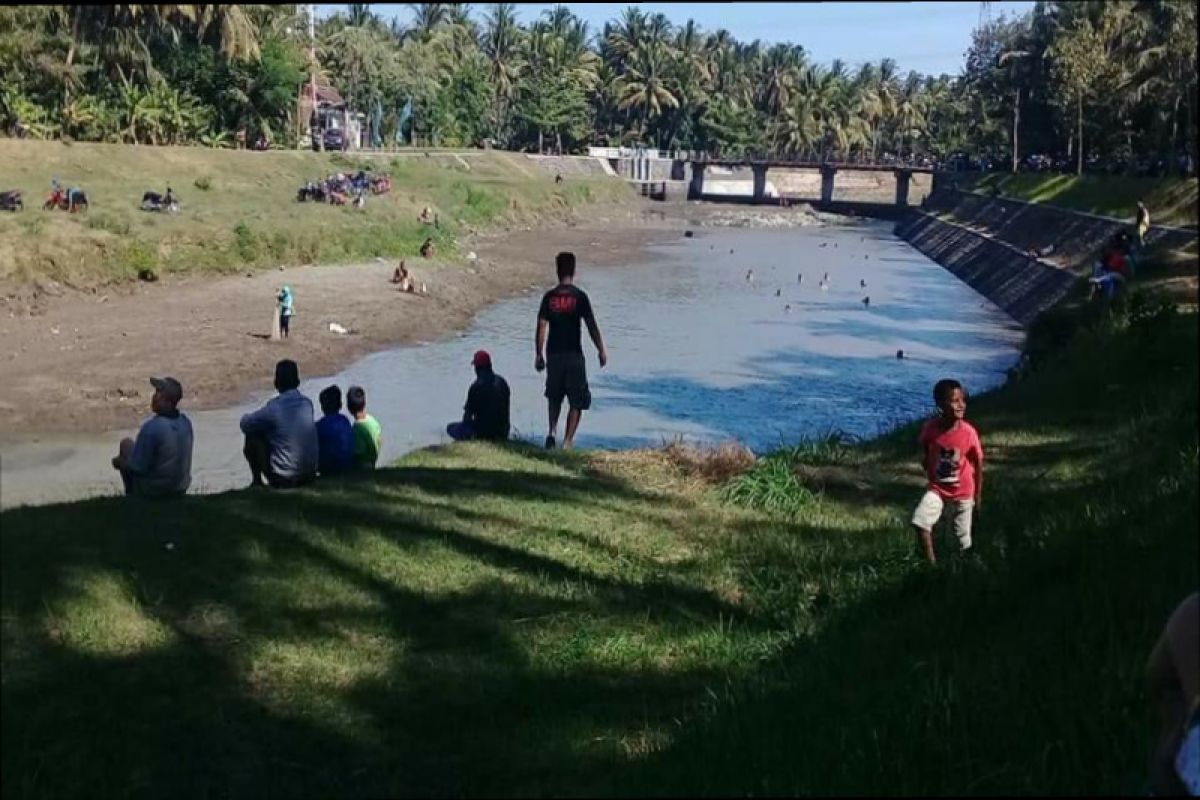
[[1172, 201], [240, 210], [477, 620]]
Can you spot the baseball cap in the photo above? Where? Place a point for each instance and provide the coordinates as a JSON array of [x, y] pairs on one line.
[[169, 387], [481, 359]]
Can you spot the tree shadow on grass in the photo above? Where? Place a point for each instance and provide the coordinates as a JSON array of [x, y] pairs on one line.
[[457, 704]]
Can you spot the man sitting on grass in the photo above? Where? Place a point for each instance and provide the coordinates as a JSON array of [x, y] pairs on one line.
[[159, 463], [281, 438], [485, 416]]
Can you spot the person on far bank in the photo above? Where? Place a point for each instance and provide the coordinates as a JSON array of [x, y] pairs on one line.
[[368, 433], [486, 414], [335, 436], [558, 348], [281, 437], [1143, 223], [287, 306], [159, 462], [952, 457]]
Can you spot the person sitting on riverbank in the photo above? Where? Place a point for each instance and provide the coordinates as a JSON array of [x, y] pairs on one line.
[[426, 216], [428, 248], [952, 457], [486, 414], [159, 462], [1113, 269], [403, 278], [281, 437], [335, 437], [368, 433]]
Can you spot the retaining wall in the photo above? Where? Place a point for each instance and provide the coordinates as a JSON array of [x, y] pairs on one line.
[[1020, 285], [988, 242]]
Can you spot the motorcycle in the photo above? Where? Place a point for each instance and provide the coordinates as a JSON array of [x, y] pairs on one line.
[[66, 200], [153, 201], [11, 200]]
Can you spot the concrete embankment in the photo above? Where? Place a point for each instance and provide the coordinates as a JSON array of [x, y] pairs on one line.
[[988, 242]]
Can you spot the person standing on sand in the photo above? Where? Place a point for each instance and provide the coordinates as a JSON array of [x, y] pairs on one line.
[[159, 463], [558, 348], [286, 309], [952, 457]]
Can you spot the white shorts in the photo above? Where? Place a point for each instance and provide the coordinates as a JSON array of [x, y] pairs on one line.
[[930, 509]]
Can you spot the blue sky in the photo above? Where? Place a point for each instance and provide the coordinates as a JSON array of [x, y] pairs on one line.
[[929, 37]]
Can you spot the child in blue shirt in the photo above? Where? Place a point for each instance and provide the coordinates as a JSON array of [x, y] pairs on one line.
[[335, 437]]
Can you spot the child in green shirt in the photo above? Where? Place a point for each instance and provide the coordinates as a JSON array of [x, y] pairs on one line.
[[368, 433]]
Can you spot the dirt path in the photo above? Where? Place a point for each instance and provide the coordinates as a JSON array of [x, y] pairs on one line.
[[80, 363]]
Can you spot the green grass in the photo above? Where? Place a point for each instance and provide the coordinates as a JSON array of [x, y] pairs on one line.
[[239, 209], [503, 621], [1172, 201]]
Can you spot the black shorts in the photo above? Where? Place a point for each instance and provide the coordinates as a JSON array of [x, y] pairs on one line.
[[566, 376]]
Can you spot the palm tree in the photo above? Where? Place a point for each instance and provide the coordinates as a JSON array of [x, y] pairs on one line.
[[427, 17], [643, 86], [502, 45]]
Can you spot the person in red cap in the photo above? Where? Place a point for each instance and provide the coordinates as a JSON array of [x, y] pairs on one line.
[[485, 416]]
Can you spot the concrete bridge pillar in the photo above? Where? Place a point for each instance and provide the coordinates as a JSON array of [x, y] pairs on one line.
[[696, 184], [760, 182], [827, 174], [903, 177]]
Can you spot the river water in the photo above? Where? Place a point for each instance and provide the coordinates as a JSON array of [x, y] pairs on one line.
[[695, 350]]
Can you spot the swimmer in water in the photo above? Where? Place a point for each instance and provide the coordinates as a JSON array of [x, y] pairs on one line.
[[899, 355], [824, 243], [787, 309], [749, 276], [778, 292], [866, 302], [863, 283], [824, 286]]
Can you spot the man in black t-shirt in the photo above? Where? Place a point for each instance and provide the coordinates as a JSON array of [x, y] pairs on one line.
[[561, 352], [485, 416]]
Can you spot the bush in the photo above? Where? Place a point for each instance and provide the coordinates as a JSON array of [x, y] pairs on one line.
[[770, 486], [203, 183], [245, 242], [139, 259]]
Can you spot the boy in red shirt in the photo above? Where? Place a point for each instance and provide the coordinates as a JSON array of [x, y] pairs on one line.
[[953, 459]]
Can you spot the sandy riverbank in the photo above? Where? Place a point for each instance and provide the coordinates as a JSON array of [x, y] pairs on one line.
[[80, 362]]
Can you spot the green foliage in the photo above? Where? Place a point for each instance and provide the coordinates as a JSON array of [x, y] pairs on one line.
[[770, 485], [203, 183], [246, 243], [1115, 80]]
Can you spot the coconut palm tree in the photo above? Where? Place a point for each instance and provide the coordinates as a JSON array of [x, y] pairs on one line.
[[501, 42], [643, 87]]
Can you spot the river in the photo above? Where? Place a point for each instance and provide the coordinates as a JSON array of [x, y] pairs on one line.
[[695, 350]]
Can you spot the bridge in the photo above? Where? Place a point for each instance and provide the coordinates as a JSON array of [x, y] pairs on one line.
[[827, 169]]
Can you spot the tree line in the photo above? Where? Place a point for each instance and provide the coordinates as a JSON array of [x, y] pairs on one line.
[[1109, 82]]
